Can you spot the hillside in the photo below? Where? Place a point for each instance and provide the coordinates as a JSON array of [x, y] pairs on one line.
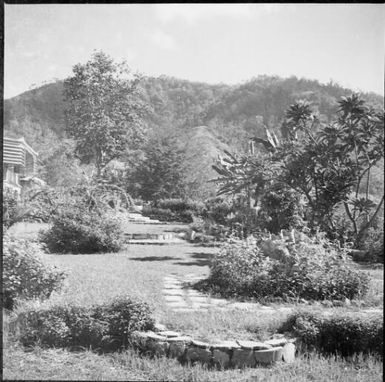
[[231, 114], [202, 148]]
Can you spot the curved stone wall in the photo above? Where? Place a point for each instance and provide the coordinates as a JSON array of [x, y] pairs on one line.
[[225, 354]]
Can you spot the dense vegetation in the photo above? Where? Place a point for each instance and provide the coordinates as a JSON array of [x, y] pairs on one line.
[[311, 269], [343, 334], [102, 327], [25, 276], [231, 114]]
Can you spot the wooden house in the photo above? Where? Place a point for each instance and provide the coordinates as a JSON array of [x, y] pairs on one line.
[[19, 164]]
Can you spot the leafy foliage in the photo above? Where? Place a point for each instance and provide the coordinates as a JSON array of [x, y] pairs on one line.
[[323, 163], [342, 333], [10, 207], [276, 268], [160, 174], [25, 276], [78, 230], [103, 116], [103, 327]]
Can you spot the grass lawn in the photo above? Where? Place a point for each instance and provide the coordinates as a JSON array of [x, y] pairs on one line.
[[58, 364], [139, 270]]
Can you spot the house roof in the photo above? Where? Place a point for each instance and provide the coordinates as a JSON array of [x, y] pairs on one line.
[[14, 151]]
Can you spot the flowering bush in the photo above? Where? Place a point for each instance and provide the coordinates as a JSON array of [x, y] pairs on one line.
[[25, 276], [307, 270]]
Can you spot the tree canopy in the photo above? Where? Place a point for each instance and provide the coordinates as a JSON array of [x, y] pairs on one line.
[[103, 113]]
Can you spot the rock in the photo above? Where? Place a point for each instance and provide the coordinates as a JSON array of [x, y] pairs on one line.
[[158, 348], [221, 358], [155, 337], [200, 344], [169, 333], [194, 354], [253, 345], [225, 345], [288, 353], [184, 339], [243, 358], [177, 350], [347, 302], [159, 328], [268, 356], [275, 342]]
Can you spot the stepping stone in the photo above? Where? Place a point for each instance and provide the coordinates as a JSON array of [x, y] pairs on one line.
[[201, 306], [177, 304], [172, 292], [191, 292], [171, 279], [217, 301], [198, 299], [183, 309], [172, 286], [173, 298]]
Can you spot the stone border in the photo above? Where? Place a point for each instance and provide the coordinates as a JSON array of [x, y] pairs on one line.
[[225, 354]]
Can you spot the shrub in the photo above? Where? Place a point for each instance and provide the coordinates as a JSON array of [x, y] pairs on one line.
[[25, 276], [280, 209], [167, 214], [218, 209], [342, 333], [98, 327], [124, 315], [374, 243], [179, 205], [9, 207], [79, 230], [279, 269]]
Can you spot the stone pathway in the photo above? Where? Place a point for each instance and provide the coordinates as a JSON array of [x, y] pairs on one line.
[[181, 298]]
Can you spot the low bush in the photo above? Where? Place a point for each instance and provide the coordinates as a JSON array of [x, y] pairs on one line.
[[180, 205], [342, 333], [275, 268], [78, 230], [218, 210], [104, 327], [177, 210], [25, 276]]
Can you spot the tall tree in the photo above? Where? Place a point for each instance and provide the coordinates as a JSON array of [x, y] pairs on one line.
[[102, 113]]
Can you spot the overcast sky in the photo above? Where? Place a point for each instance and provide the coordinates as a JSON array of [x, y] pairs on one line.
[[212, 43]]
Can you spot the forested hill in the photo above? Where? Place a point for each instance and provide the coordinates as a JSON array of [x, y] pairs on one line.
[[233, 113]]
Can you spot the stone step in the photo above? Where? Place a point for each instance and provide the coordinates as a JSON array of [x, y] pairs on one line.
[[149, 236], [156, 242]]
